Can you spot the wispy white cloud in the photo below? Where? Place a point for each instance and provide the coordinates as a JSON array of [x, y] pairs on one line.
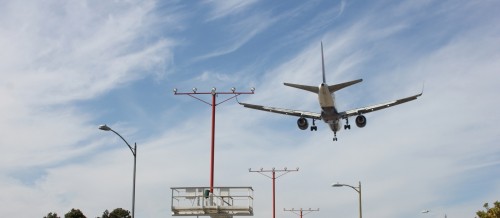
[[222, 9], [240, 33], [428, 153], [56, 54], [214, 76], [81, 57], [314, 26], [437, 153]]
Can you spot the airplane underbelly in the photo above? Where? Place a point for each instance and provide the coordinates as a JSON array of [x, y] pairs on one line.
[[335, 125]]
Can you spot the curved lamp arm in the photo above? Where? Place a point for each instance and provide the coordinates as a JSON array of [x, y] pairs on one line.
[[357, 189], [107, 128]]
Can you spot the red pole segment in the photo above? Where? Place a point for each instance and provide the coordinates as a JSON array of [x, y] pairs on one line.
[[214, 104], [213, 146], [273, 177]]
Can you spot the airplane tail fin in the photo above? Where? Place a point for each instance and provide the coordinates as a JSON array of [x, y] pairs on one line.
[[323, 63], [331, 88], [335, 87]]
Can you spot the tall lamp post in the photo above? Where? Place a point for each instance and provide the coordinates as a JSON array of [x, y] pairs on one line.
[[357, 189], [134, 152]]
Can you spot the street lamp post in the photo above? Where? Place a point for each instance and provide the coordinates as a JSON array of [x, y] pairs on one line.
[[357, 189], [134, 152]]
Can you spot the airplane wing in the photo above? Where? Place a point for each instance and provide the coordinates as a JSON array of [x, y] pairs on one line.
[[377, 107], [290, 112]]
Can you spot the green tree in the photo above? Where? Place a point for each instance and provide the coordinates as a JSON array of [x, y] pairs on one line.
[[490, 212], [119, 213], [51, 215], [74, 213], [105, 214]]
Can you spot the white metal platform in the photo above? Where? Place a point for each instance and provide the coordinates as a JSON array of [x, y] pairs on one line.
[[224, 202]]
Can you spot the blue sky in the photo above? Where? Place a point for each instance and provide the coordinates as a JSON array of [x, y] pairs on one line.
[[67, 67]]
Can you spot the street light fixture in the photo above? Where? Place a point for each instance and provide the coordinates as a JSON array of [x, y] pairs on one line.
[[357, 189], [104, 127], [134, 152]]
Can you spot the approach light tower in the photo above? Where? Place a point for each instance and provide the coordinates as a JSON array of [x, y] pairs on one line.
[[301, 211], [273, 177], [214, 94]]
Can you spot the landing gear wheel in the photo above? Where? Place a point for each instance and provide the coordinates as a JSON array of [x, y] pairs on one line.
[[334, 136], [314, 127], [335, 139], [347, 126]]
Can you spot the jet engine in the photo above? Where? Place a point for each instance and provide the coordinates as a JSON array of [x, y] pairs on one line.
[[302, 123], [361, 121]]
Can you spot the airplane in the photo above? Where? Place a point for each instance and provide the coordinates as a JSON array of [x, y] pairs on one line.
[[329, 111]]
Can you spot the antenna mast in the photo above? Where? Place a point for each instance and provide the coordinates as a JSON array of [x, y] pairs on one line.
[[273, 177], [214, 94]]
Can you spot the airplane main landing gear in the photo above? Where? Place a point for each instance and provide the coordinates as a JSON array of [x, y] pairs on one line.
[[334, 136], [347, 126], [314, 127]]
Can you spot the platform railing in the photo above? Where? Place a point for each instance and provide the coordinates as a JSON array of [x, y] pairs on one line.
[[223, 202]]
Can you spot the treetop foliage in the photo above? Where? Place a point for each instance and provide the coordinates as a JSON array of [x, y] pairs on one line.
[[117, 213], [77, 213], [74, 213], [490, 212], [51, 215]]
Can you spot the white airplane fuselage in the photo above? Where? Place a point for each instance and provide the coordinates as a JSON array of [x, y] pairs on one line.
[[328, 109]]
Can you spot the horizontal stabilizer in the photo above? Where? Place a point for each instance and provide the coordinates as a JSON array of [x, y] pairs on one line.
[[340, 86], [314, 89]]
